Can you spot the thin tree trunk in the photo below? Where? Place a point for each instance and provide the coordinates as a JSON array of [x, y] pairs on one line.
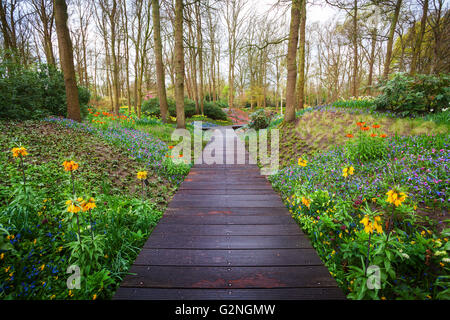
[[200, 55], [301, 63], [355, 50], [179, 64], [160, 78], [291, 61], [419, 38], [387, 62], [66, 56]]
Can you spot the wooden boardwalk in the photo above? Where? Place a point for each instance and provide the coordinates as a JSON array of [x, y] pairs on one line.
[[227, 235]]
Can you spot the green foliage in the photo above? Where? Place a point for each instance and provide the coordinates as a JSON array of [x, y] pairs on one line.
[[34, 92], [150, 107], [176, 168], [407, 96], [366, 148], [259, 120]]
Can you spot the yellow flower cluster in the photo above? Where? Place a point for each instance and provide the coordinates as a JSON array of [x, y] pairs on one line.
[[371, 225], [142, 175], [70, 165], [395, 197], [80, 204], [348, 171], [21, 151], [302, 162]]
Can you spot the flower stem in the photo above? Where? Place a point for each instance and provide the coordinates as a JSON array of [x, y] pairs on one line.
[[391, 221], [79, 233], [22, 167], [73, 182], [90, 221], [368, 252]]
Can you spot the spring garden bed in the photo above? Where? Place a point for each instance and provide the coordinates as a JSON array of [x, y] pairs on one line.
[[342, 200], [44, 227]]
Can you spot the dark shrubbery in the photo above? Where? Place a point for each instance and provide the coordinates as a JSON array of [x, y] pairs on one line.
[[421, 94], [259, 119], [33, 93], [150, 107]]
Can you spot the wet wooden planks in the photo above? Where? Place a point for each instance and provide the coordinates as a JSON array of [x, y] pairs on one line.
[[227, 235]]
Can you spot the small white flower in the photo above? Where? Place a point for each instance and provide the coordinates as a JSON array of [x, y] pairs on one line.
[[446, 260], [440, 253], [404, 255]]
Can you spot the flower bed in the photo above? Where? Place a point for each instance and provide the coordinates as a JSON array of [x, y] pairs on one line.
[[344, 208]]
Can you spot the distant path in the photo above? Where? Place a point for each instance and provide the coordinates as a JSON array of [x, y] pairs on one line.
[[238, 116], [227, 235]]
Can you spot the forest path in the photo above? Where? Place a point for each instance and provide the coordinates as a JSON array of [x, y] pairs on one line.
[[226, 234]]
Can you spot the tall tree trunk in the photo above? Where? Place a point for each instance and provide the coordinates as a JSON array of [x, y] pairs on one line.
[[160, 78], [387, 62], [179, 64], [355, 50], [372, 59], [200, 55], [66, 56], [114, 57], [419, 39], [301, 63], [291, 61]]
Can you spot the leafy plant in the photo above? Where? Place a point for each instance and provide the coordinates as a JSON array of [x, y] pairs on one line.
[[407, 96]]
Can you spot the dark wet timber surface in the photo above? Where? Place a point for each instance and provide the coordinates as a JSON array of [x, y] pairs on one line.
[[227, 235]]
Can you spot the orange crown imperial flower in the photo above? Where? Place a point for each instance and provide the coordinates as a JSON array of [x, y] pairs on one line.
[[21, 151], [306, 201], [383, 135], [88, 205], [365, 128], [70, 165], [376, 126], [349, 135], [373, 135]]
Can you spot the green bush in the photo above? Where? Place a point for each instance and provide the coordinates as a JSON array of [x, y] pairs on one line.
[[421, 94], [34, 92], [150, 107], [259, 120], [213, 111]]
